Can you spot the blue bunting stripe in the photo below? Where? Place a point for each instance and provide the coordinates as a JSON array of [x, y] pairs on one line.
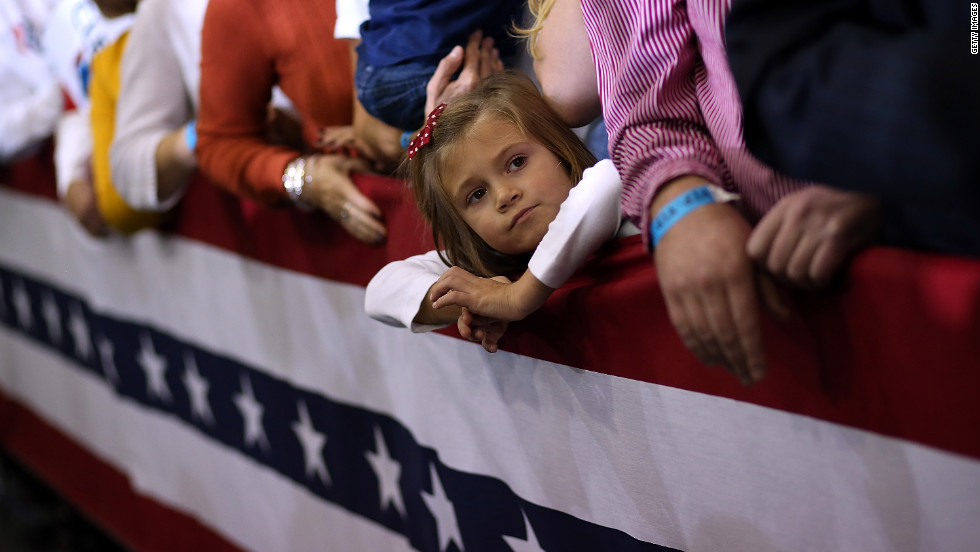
[[342, 453]]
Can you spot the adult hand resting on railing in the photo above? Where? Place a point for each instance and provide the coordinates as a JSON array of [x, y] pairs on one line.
[[332, 190], [241, 61]]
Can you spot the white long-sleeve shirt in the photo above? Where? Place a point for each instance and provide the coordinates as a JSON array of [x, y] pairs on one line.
[[30, 98], [587, 218], [158, 94], [350, 15], [72, 35]]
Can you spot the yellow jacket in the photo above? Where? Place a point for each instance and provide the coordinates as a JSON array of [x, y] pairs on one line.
[[103, 92]]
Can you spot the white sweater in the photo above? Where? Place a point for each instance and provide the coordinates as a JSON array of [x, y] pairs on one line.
[[158, 94]]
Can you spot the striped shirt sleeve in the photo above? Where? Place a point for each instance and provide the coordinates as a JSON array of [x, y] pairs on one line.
[[670, 102]]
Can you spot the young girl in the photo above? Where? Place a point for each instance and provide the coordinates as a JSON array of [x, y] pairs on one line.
[[494, 174]]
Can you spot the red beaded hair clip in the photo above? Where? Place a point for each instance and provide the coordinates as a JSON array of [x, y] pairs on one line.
[[424, 135]]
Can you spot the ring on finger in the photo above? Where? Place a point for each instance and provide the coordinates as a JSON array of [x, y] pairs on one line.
[[345, 211]]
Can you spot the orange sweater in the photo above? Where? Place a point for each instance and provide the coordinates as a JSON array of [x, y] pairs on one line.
[[246, 49]]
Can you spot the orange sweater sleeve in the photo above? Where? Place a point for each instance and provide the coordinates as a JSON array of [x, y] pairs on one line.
[[237, 76], [103, 91]]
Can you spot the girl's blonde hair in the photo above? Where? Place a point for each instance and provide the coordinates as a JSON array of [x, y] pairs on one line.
[[510, 97], [538, 11]]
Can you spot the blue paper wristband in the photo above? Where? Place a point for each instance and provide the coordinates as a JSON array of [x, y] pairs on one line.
[[678, 208], [190, 135]]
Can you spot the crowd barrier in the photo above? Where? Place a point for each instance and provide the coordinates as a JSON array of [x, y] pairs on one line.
[[216, 385]]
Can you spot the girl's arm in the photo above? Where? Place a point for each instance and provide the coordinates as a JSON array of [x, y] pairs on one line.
[[398, 294], [588, 218]]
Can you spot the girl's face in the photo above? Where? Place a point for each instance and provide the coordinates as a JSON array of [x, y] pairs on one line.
[[507, 187]]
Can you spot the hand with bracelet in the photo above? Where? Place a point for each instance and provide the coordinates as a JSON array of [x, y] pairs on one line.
[[324, 182], [710, 285]]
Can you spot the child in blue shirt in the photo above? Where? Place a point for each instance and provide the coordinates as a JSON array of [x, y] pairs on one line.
[[403, 42]]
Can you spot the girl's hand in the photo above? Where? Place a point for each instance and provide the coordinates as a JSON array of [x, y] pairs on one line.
[[482, 60], [806, 237], [333, 191], [495, 297], [709, 286], [480, 329]]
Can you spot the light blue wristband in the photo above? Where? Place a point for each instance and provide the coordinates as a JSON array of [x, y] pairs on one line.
[[678, 208], [406, 138], [190, 134]]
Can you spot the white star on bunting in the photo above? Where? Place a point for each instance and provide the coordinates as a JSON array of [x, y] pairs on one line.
[[107, 355], [197, 388], [22, 304], [52, 317], [444, 513], [389, 472], [529, 544], [155, 368], [251, 411], [79, 332], [312, 442]]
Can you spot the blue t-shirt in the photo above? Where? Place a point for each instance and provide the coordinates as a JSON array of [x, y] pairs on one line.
[[425, 31]]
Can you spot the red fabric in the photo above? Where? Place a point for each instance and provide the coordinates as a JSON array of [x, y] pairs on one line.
[[893, 348]]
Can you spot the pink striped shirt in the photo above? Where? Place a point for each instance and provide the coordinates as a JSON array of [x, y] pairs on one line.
[[670, 102]]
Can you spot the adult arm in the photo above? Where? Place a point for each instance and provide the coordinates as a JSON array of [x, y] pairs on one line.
[[150, 160], [657, 132], [873, 97], [648, 62], [564, 66], [237, 76], [239, 67]]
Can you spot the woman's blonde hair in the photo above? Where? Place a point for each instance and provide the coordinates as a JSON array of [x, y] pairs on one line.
[[510, 97], [537, 11]]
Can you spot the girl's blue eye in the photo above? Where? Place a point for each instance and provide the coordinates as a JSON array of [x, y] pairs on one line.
[[516, 163], [477, 195]]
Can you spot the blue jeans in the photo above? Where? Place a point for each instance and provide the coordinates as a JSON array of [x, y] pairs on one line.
[[396, 94], [597, 139]]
